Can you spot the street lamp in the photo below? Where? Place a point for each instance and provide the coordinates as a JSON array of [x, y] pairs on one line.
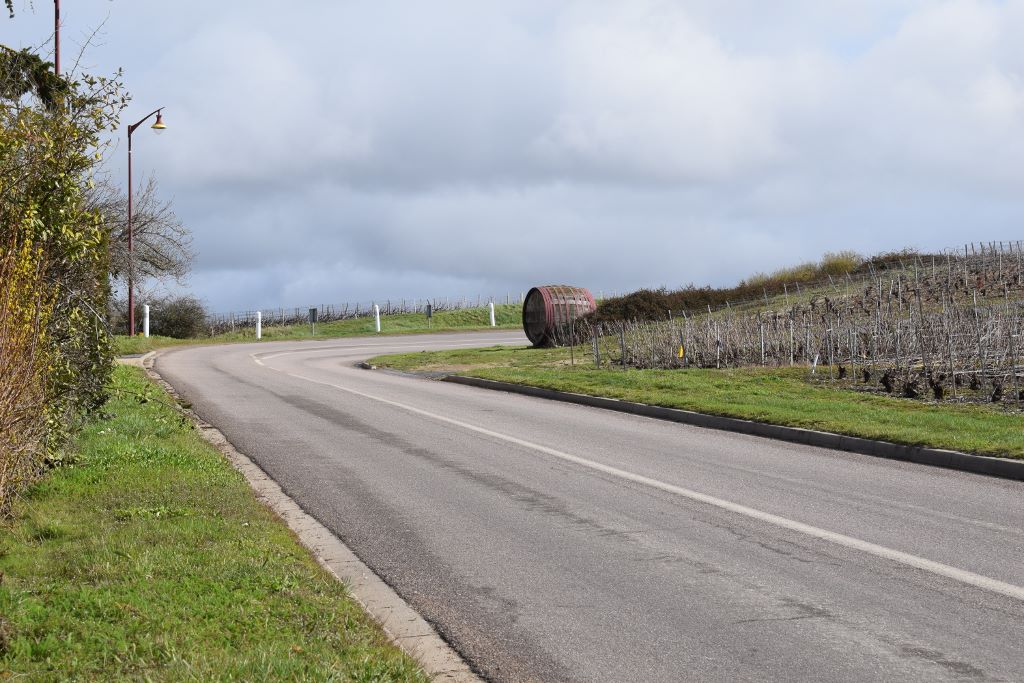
[[159, 127]]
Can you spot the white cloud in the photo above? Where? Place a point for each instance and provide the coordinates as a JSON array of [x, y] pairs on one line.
[[326, 150], [646, 92]]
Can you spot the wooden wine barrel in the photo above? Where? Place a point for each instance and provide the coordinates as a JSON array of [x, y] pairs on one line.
[[549, 309]]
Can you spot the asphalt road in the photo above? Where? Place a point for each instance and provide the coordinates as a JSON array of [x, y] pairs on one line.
[[549, 541]]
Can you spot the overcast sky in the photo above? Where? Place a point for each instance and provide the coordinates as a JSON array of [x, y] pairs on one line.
[[325, 151]]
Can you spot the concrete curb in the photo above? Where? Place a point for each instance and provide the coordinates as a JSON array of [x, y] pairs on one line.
[[978, 464], [402, 624], [138, 361]]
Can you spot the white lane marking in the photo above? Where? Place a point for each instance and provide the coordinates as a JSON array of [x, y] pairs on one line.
[[938, 568], [268, 355]]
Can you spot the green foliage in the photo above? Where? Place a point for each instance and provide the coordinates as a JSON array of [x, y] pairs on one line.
[[48, 150], [25, 306], [27, 74], [180, 317]]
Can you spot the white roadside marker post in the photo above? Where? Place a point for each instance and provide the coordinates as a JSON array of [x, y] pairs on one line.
[[376, 317], [493, 324], [259, 325], [145, 320]]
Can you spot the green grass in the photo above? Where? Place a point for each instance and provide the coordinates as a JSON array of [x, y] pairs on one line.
[[507, 316], [125, 345], [777, 396], [150, 559]]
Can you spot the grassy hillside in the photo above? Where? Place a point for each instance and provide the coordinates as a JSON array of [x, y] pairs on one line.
[[758, 289]]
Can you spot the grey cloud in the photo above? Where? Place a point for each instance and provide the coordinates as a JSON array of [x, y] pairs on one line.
[[329, 151]]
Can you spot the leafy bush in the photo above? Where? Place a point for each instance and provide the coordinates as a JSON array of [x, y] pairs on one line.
[[54, 353], [182, 317], [24, 308]]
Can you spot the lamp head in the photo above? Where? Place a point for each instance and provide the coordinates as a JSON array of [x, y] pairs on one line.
[[159, 126]]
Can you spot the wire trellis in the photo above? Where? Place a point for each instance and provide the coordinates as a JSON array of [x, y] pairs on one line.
[[947, 329]]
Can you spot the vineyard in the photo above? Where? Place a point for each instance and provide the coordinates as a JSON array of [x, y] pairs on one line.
[[946, 327]]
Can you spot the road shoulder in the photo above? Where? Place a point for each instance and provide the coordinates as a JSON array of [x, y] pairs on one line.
[[966, 462], [403, 625]]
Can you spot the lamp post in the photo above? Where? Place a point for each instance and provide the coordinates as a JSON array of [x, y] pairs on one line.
[[159, 126]]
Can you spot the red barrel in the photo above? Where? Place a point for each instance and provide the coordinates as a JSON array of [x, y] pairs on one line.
[[548, 309]]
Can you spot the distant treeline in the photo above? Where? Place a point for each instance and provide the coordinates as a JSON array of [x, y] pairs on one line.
[[655, 304]]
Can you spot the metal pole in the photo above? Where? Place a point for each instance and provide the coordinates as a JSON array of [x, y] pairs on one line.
[[493, 323], [622, 344], [572, 334], [977, 330], [145, 320], [259, 325], [791, 340], [760, 327], [925, 365], [1012, 323], [376, 317], [56, 36], [131, 265]]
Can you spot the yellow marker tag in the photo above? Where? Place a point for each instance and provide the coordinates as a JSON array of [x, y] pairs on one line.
[[682, 352]]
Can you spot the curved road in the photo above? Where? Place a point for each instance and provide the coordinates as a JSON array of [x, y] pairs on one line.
[[549, 541]]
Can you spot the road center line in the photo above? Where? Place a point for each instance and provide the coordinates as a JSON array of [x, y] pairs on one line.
[[961, 575]]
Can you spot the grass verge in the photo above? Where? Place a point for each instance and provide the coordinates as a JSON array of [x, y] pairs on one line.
[[506, 316], [149, 558], [772, 395]]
